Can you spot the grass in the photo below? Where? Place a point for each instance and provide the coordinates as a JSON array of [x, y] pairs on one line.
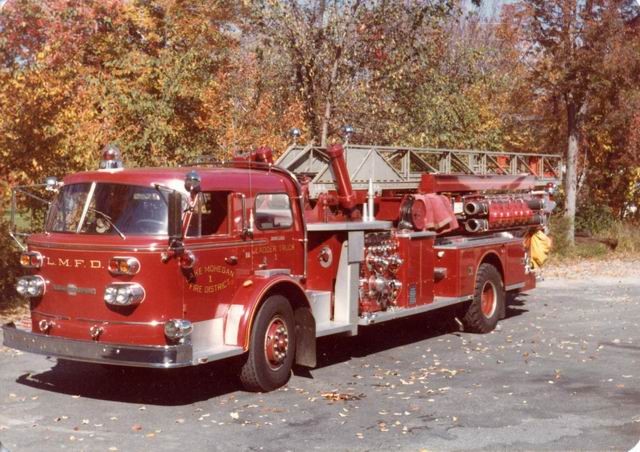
[[626, 235]]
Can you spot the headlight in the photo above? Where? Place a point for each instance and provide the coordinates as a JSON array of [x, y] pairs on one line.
[[177, 328], [124, 266], [22, 285], [125, 294], [31, 286], [31, 259]]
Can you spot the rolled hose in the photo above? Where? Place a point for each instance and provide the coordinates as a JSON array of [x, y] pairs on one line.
[[474, 225]]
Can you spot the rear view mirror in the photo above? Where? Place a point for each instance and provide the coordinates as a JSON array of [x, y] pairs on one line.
[[175, 216]]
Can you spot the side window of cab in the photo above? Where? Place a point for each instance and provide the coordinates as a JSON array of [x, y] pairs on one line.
[[273, 211], [210, 215]]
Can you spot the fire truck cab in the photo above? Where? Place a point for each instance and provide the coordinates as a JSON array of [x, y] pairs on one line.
[[181, 266]]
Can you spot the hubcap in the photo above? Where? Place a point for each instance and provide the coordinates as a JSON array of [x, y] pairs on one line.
[[276, 343], [488, 299]]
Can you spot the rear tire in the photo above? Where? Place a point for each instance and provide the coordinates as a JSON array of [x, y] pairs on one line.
[[272, 347], [487, 305]]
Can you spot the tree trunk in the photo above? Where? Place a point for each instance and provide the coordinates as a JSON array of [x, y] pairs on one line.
[[327, 106], [325, 124], [571, 175]]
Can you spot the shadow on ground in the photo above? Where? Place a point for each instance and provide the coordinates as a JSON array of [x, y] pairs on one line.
[[188, 385]]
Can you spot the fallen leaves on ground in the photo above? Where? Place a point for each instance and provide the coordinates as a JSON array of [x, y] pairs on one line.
[[336, 396]]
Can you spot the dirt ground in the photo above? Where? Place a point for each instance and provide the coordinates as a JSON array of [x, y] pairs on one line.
[[613, 266]]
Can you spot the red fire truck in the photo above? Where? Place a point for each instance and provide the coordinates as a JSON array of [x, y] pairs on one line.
[[172, 267]]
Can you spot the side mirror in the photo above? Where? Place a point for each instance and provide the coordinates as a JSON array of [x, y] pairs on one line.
[[51, 184], [175, 216]]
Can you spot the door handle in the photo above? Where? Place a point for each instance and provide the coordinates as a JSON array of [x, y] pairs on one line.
[[231, 260]]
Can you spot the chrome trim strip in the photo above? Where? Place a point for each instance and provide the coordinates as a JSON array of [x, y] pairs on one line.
[[514, 286], [350, 225], [119, 322], [417, 234], [438, 302], [99, 247], [85, 209], [208, 246], [51, 316], [476, 242], [102, 322], [139, 249]]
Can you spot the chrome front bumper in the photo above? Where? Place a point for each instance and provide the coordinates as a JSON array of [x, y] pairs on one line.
[[158, 356]]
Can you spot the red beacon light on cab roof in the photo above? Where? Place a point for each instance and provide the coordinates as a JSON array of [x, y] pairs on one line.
[[111, 157], [263, 154]]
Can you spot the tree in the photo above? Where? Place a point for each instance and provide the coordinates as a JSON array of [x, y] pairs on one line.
[[567, 42], [457, 95], [342, 58], [611, 126]]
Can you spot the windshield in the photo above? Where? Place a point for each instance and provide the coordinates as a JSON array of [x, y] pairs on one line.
[[103, 208]]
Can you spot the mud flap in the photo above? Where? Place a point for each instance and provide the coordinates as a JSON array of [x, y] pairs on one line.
[[508, 297], [305, 337]]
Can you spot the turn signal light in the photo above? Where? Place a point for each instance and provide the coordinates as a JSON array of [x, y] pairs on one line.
[[177, 328], [124, 266], [31, 259], [123, 294]]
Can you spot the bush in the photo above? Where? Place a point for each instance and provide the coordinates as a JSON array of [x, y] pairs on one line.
[[628, 235], [618, 236], [594, 219], [9, 263]]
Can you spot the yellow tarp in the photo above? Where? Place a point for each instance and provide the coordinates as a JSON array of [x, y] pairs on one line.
[[539, 248]]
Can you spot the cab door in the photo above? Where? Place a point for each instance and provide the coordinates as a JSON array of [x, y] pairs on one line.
[[211, 282], [278, 235]]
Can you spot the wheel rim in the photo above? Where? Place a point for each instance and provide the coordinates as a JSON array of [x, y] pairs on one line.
[[276, 343], [488, 299]]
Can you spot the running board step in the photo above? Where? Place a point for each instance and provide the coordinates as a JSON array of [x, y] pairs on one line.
[[216, 353], [328, 328], [383, 316]]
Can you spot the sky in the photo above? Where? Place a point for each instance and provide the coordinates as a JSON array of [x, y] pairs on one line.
[[488, 8]]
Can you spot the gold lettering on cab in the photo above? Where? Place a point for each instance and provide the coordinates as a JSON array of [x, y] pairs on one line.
[[271, 249], [211, 279], [73, 263]]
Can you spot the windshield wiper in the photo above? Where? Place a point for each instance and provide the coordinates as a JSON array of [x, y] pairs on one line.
[[109, 221]]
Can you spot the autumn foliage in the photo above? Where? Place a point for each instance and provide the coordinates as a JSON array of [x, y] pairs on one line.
[[169, 80]]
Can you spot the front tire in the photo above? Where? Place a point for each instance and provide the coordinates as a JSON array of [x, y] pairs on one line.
[[272, 347], [487, 305]]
